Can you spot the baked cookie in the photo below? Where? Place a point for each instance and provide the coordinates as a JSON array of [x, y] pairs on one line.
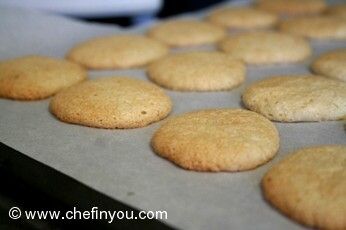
[[37, 77], [111, 102], [243, 18], [318, 27], [197, 71], [117, 51], [266, 47], [292, 98], [309, 186], [331, 64], [217, 140], [187, 33], [338, 10], [292, 7]]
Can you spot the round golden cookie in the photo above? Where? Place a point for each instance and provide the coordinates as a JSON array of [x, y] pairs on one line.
[[187, 33], [217, 140], [338, 10], [111, 102], [37, 77], [309, 186], [243, 18], [318, 27], [266, 47], [197, 71], [331, 64], [117, 51], [292, 7], [292, 98]]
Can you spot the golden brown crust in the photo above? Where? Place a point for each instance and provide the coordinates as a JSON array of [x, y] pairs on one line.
[[117, 52], [331, 64], [243, 18], [317, 27], [310, 186], [217, 140], [197, 71], [187, 33], [37, 77], [292, 98], [266, 47], [292, 7], [112, 102]]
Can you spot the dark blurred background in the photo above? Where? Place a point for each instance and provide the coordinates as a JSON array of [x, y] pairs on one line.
[[168, 8]]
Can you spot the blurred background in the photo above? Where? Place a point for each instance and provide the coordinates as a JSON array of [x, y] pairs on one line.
[[121, 12]]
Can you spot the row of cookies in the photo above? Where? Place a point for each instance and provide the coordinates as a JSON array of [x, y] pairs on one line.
[[260, 47], [313, 98], [190, 32], [35, 77], [201, 140]]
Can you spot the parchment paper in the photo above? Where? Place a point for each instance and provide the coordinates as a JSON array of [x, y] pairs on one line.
[[120, 163]]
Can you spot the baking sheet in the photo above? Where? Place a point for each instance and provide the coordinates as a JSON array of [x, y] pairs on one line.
[[120, 163]]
